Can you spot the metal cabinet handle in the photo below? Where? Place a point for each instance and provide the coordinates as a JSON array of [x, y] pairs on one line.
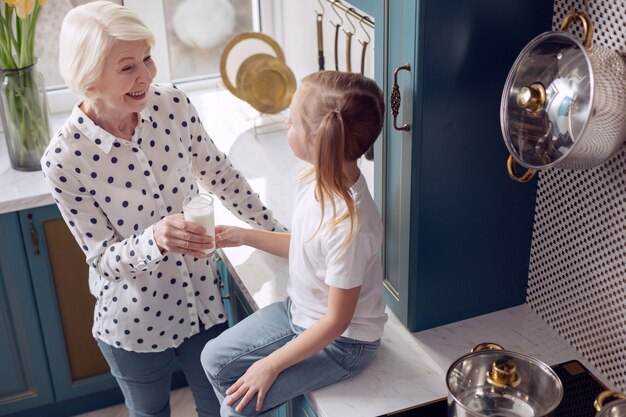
[[34, 237], [395, 98]]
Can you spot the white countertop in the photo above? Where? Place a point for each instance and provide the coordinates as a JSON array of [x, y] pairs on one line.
[[409, 369], [20, 190]]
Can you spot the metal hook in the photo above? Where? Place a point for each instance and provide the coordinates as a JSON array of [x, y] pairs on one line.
[[369, 38], [363, 43], [351, 9], [332, 6], [322, 6], [319, 19]]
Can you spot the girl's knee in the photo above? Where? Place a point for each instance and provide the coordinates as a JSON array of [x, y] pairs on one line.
[[208, 360]]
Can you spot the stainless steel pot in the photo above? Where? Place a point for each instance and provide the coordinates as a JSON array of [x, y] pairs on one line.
[[563, 102], [493, 382], [615, 408]]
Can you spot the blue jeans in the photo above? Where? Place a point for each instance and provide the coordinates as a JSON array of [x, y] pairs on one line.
[[227, 357], [145, 378]]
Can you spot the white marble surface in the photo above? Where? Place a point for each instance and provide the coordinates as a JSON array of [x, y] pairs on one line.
[[409, 368], [20, 190]]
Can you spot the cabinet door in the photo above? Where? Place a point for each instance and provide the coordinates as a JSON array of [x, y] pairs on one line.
[[457, 229], [235, 303], [60, 280], [471, 226], [395, 39], [399, 150], [24, 377]]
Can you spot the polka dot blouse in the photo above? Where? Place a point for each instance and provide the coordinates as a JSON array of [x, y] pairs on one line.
[[111, 191]]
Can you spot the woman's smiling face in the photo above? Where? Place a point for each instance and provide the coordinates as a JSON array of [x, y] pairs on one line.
[[125, 78]]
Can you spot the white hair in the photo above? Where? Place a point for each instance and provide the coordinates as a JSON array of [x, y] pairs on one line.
[[87, 35]]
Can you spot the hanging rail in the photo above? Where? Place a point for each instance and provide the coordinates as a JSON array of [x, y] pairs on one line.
[[352, 12]]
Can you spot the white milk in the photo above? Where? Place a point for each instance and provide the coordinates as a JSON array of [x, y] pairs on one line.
[[199, 209]]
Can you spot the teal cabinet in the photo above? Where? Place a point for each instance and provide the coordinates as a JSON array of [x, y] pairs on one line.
[[235, 303], [25, 381], [50, 363], [49, 357], [59, 276], [457, 229], [225, 283]]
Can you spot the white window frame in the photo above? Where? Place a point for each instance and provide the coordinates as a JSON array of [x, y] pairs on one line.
[[268, 19]]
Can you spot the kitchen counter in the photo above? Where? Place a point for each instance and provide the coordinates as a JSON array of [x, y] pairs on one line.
[[409, 368]]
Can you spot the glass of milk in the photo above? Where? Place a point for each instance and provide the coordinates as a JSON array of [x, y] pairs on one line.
[[198, 208]]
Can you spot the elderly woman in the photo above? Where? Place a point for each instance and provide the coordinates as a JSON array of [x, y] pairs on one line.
[[119, 170]]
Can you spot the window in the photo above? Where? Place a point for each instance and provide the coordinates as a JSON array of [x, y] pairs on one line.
[[190, 36]]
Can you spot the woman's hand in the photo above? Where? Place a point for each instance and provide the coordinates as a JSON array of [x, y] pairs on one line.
[[229, 236], [175, 234], [256, 381]]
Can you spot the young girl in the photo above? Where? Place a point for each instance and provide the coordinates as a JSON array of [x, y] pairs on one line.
[[330, 325]]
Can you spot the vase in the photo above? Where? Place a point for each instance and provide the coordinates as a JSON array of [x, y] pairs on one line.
[[24, 110]]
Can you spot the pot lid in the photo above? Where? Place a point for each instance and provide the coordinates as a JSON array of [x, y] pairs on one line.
[[530, 387], [547, 99]]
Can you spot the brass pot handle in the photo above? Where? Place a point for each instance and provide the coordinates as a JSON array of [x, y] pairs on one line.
[[486, 346], [587, 27], [607, 395], [510, 167], [395, 98]]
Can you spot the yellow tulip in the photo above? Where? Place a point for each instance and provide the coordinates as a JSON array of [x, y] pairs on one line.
[[24, 7], [18, 53]]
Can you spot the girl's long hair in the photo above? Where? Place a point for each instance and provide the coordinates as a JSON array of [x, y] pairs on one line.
[[343, 114]]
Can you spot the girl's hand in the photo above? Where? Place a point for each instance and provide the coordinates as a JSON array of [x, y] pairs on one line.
[[229, 236], [256, 381], [175, 234]]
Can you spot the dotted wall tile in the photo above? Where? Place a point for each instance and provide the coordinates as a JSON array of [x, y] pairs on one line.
[[577, 272]]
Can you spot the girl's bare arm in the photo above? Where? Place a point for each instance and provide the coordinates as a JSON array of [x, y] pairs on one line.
[[276, 243]]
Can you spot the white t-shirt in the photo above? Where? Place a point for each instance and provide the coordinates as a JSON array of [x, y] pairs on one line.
[[314, 264]]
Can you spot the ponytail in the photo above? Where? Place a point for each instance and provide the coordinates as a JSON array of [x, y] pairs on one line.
[[329, 177], [343, 115]]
